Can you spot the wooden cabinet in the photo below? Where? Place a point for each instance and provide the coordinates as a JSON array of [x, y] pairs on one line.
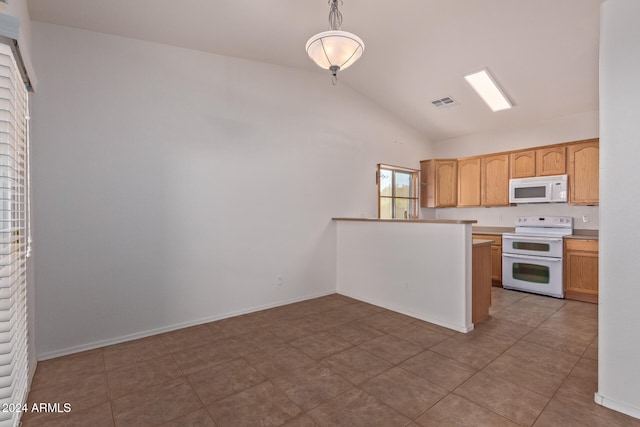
[[480, 282], [484, 180], [469, 182], [438, 186], [495, 180], [581, 270], [496, 256], [539, 162], [551, 161], [523, 164], [584, 174]]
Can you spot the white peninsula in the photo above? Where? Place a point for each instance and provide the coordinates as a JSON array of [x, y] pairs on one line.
[[421, 268]]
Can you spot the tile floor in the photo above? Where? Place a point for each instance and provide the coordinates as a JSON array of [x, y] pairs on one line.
[[337, 361]]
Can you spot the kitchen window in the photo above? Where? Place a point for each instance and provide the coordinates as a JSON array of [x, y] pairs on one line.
[[397, 192]]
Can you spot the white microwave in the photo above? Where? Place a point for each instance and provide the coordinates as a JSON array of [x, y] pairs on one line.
[[541, 189]]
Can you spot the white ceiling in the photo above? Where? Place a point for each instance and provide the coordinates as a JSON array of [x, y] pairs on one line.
[[544, 53]]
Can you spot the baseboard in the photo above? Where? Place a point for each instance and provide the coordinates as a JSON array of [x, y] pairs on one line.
[[617, 406], [118, 340], [401, 310]]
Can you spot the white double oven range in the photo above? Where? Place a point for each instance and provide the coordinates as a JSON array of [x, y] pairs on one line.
[[532, 256]]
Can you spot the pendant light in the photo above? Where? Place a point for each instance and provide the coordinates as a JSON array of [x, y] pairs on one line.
[[335, 50]]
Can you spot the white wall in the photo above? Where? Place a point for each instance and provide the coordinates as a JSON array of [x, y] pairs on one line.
[[174, 186], [419, 269], [619, 342], [563, 129]]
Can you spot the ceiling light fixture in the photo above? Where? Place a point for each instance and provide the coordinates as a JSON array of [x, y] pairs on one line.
[[335, 50], [485, 86]]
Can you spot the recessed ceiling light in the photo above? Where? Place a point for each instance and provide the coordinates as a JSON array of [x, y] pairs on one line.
[[489, 91]]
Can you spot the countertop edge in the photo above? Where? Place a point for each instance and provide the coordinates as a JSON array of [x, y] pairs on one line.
[[492, 231], [481, 242], [419, 221]]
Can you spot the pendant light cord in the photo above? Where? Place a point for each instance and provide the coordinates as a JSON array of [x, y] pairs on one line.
[[335, 17]]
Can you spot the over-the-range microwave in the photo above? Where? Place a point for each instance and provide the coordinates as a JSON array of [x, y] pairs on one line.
[[541, 189]]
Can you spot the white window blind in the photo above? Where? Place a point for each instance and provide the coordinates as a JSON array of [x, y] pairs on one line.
[[14, 238]]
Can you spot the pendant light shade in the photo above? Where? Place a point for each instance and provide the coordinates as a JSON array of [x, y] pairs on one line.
[[335, 50]]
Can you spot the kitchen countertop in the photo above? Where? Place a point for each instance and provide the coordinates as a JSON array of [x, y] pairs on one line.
[[490, 231], [482, 242], [584, 235], [420, 221], [494, 231]]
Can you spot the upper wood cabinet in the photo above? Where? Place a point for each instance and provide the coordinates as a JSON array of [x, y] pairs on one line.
[[523, 164], [438, 185], [495, 180], [539, 162], [484, 180], [551, 161], [469, 182], [584, 161]]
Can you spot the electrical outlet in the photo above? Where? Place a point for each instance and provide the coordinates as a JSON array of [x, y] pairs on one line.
[[586, 218]]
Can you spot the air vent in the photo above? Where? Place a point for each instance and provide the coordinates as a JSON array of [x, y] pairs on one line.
[[446, 102]]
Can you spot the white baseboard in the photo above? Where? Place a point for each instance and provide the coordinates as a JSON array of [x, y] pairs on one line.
[[401, 310], [632, 411], [143, 334]]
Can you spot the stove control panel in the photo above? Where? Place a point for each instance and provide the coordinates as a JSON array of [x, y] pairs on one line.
[[545, 221]]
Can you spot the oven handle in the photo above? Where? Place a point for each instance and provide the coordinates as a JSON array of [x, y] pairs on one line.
[[535, 258], [526, 238]]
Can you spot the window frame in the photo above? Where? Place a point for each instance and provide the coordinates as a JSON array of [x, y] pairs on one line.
[[415, 193]]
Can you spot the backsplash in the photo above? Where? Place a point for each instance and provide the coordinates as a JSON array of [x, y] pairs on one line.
[[506, 216]]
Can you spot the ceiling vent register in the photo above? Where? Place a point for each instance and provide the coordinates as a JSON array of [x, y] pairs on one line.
[[446, 102]]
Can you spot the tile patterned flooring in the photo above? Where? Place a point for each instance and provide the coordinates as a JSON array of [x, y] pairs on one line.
[[336, 361]]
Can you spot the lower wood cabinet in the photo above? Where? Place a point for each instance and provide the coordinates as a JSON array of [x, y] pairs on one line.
[[581, 270], [481, 282], [496, 256]]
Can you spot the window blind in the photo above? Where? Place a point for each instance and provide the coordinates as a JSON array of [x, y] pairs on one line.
[[14, 239]]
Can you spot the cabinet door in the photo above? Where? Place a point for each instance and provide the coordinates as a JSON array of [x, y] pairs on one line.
[[496, 263], [523, 164], [581, 270], [446, 188], [438, 186], [584, 160], [496, 255], [551, 161], [495, 180], [469, 182]]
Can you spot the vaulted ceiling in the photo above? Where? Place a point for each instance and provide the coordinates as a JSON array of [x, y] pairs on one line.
[[544, 53]]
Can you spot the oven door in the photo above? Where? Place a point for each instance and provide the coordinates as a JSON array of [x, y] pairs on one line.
[[540, 275], [521, 244]]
